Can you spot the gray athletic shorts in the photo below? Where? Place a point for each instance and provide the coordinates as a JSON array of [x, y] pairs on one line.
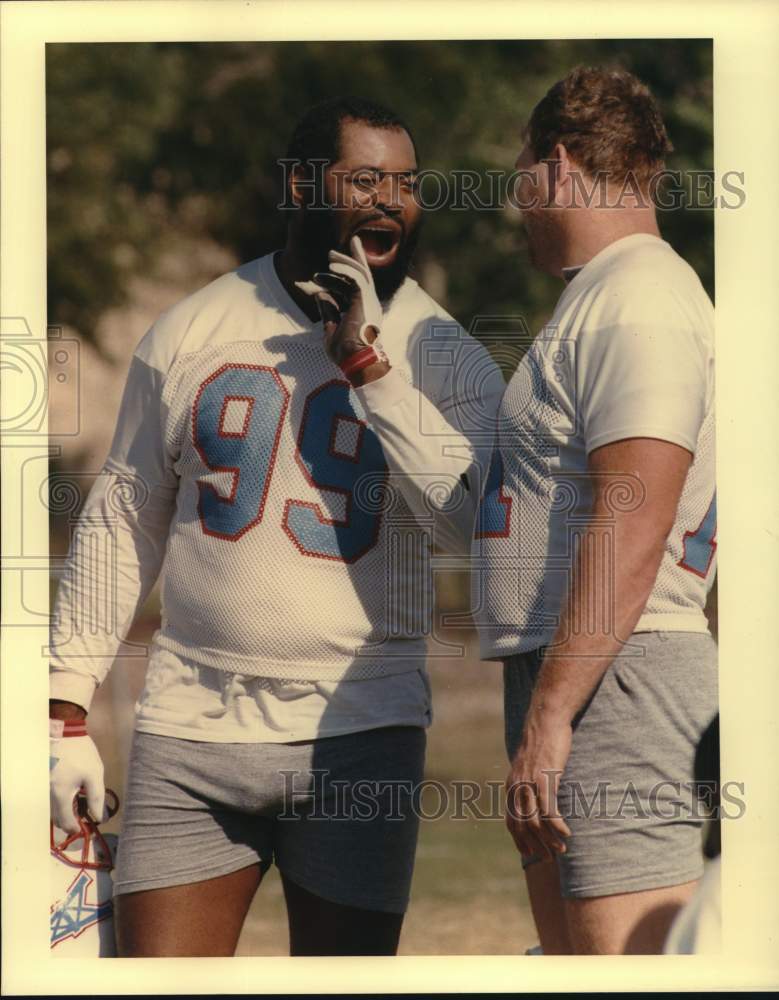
[[628, 792], [336, 815]]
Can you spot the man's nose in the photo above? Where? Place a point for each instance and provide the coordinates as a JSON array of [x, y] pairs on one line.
[[388, 194]]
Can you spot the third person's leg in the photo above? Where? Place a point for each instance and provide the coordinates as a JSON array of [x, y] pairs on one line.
[[629, 923]]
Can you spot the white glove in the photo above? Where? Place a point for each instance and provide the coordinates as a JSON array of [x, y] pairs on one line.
[[349, 288], [356, 268], [74, 762]]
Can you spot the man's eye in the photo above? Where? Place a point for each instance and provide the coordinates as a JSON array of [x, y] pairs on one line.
[[365, 179]]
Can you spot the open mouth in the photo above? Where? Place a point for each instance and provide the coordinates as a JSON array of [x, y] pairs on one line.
[[380, 243]]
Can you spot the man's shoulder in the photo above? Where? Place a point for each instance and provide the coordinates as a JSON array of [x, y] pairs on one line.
[[200, 309], [645, 285], [422, 316], [445, 355], [412, 301], [651, 267]]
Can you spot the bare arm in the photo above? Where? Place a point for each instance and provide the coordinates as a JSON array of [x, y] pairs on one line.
[[579, 654]]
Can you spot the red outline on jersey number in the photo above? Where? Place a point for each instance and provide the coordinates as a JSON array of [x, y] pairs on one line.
[[235, 470], [712, 543], [334, 489]]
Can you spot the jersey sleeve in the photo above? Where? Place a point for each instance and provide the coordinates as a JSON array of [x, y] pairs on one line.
[[118, 545], [438, 446], [641, 375]]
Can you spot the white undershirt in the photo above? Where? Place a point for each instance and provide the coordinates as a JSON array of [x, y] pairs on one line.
[[195, 702]]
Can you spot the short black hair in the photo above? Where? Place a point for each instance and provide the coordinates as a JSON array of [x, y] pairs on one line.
[[317, 135]]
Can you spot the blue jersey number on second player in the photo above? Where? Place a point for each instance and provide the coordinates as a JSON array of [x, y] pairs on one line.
[[494, 516], [700, 545]]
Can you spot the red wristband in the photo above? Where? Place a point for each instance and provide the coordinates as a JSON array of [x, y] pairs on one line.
[[361, 359], [356, 362], [60, 728]]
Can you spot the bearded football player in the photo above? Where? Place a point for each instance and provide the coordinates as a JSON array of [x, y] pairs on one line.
[[598, 533], [285, 431]]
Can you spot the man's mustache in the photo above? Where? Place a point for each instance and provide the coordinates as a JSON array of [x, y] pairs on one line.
[[320, 236], [397, 224], [396, 221]]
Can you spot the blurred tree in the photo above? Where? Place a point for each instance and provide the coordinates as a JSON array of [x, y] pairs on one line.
[[147, 141]]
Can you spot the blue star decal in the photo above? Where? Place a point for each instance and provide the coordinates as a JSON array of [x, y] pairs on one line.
[[73, 915]]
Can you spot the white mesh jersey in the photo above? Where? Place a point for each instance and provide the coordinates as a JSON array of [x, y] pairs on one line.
[[628, 352], [293, 513]]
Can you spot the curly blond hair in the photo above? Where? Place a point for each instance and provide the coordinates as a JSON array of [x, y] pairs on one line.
[[608, 121]]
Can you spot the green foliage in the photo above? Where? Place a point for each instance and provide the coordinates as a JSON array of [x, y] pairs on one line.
[[146, 141]]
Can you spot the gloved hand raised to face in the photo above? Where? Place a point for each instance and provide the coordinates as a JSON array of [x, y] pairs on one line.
[[74, 763], [347, 299]]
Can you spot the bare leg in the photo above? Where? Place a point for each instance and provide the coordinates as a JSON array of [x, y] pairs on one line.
[[630, 923], [319, 927], [196, 920], [543, 886]]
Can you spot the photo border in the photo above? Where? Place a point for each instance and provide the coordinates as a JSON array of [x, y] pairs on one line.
[[746, 78]]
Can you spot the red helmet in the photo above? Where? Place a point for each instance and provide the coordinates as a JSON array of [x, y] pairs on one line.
[[81, 913], [94, 852]]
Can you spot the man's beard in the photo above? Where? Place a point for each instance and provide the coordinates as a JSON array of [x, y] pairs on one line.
[[319, 237], [543, 236], [530, 233]]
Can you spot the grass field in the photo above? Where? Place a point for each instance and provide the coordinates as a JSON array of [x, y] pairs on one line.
[[468, 894]]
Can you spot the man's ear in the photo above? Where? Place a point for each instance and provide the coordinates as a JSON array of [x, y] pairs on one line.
[[299, 184], [302, 186]]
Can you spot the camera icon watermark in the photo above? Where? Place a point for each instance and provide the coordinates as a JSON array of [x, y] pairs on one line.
[[473, 366], [37, 374]]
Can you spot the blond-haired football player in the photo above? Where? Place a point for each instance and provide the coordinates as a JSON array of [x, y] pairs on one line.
[[598, 529]]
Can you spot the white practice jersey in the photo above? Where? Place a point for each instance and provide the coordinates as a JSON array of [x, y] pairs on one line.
[[294, 515], [628, 352], [697, 927]]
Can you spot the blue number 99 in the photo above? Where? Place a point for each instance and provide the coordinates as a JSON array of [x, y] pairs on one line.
[[328, 468], [248, 451]]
